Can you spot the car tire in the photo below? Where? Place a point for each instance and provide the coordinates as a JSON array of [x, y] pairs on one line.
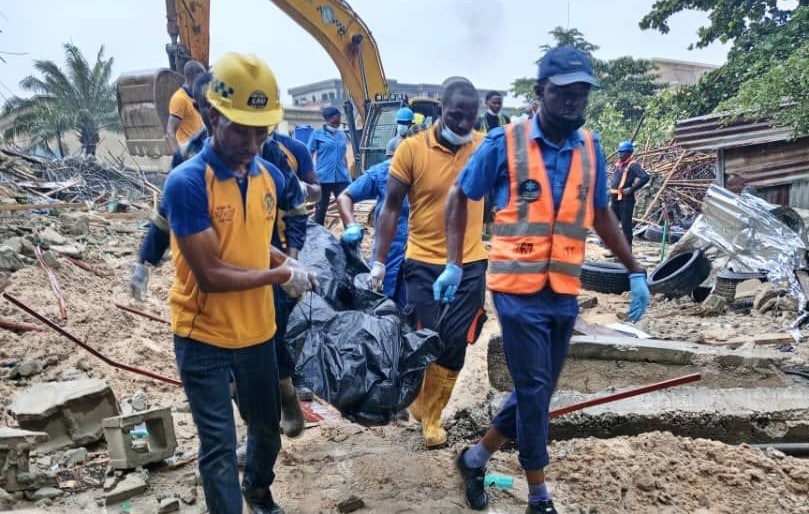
[[604, 277], [680, 274]]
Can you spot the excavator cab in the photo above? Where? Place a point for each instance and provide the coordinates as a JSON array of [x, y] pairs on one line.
[[380, 125]]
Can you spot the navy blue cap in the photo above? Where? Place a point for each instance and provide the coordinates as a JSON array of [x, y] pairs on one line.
[[565, 65], [330, 112]]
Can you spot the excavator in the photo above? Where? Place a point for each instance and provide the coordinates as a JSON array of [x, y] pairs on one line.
[[143, 97]]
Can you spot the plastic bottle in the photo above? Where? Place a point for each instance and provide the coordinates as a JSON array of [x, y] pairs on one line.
[[499, 481]]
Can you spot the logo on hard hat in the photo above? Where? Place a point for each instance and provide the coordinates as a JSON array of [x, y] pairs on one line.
[[257, 100]]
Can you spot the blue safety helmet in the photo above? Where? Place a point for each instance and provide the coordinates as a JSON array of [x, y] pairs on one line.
[[405, 115], [626, 146]]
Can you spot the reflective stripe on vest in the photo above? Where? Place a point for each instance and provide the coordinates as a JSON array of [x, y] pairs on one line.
[[531, 243], [624, 174]]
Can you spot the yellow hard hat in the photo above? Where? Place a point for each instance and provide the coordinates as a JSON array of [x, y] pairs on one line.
[[418, 119], [244, 90]]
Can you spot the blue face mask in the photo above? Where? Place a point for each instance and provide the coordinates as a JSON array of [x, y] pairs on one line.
[[401, 130], [453, 138]]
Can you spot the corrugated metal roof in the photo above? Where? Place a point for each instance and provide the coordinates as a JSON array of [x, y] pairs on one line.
[[715, 132], [769, 164]]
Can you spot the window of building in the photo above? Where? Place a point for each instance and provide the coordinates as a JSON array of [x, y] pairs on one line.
[[332, 95]]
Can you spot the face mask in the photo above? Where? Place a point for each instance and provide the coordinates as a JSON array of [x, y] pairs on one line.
[[401, 130], [331, 129], [562, 125], [491, 112], [453, 138]]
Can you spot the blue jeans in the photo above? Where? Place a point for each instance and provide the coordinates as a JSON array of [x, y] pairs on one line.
[[206, 371], [535, 343]]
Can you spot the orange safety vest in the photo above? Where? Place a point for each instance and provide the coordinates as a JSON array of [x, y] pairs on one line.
[[619, 193], [531, 244]]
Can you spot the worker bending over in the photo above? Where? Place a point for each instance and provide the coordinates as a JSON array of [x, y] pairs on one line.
[[328, 147], [423, 169], [550, 184], [184, 119], [629, 177], [221, 207], [373, 185]]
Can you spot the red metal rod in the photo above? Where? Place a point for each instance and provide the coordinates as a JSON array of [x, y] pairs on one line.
[[57, 291], [19, 326], [142, 313], [85, 266], [93, 351], [626, 394]]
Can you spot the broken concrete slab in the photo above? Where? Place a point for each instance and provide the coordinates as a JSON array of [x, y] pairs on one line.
[[26, 369], [168, 505], [70, 412], [140, 438], [74, 251], [753, 415], [767, 294], [668, 352], [45, 493], [49, 236], [748, 289], [587, 302], [15, 466], [6, 501], [350, 503], [74, 223], [714, 305], [73, 457], [9, 260], [132, 485]]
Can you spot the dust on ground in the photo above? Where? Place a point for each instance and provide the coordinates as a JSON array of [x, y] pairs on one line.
[[388, 467]]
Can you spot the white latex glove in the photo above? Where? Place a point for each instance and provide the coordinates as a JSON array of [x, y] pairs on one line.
[[377, 276], [139, 281], [298, 283], [294, 263]]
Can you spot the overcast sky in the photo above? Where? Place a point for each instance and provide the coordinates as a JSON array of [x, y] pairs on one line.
[[491, 42]]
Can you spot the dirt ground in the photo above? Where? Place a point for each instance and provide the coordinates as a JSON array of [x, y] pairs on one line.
[[388, 467]]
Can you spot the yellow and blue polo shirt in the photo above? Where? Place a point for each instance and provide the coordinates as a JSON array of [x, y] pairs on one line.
[[204, 193], [182, 106]]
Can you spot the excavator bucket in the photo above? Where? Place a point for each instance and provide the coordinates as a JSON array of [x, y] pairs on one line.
[[143, 106]]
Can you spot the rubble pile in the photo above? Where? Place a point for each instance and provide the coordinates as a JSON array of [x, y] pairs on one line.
[[77, 179], [677, 185]]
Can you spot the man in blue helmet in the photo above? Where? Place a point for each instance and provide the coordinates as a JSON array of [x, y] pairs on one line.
[[404, 119], [628, 178]]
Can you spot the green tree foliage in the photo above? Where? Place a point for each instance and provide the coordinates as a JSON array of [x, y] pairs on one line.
[[763, 36], [79, 98], [730, 19], [780, 94], [627, 86]]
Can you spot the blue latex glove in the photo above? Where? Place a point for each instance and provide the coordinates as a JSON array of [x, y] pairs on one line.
[[447, 283], [353, 233], [639, 296]]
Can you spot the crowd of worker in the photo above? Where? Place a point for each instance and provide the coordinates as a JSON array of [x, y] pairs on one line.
[[234, 214]]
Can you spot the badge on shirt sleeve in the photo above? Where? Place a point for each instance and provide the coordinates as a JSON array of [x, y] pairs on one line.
[[529, 190]]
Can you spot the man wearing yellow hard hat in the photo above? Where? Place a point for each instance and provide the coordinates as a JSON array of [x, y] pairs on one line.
[[221, 206]]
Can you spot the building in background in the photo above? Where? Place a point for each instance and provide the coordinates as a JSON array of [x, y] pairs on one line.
[[331, 93], [680, 73]]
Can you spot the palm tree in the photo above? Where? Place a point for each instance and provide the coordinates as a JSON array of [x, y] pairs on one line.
[[39, 121], [79, 98]]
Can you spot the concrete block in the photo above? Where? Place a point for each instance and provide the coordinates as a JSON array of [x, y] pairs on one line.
[[15, 449], [133, 485], [69, 412], [130, 447], [748, 289], [168, 505]]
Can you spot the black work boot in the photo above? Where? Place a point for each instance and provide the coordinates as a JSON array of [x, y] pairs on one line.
[[474, 488], [543, 507], [259, 501], [291, 415]]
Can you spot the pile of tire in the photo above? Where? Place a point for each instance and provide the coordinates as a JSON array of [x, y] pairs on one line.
[[680, 274]]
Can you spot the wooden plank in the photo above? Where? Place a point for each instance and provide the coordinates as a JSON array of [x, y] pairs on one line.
[[36, 206]]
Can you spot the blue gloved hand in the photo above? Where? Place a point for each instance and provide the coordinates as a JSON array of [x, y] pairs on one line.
[[447, 283], [639, 295], [353, 233]]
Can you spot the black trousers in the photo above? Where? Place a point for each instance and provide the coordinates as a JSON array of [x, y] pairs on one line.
[[458, 323], [283, 354], [326, 191], [624, 210]]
